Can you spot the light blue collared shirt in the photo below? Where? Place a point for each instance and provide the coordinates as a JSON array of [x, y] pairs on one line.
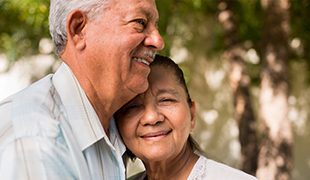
[[50, 131]]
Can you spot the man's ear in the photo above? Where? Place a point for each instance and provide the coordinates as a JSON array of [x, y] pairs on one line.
[[75, 26], [193, 115]]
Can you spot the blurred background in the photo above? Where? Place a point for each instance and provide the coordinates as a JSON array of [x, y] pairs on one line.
[[247, 65]]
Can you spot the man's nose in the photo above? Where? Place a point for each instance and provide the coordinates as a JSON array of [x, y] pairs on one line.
[[154, 39], [151, 116]]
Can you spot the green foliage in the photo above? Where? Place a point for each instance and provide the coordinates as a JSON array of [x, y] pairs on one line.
[[300, 28], [165, 10], [249, 18], [22, 25], [250, 24], [191, 23], [300, 21]]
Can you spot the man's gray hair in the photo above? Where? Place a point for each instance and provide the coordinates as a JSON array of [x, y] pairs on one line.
[[59, 10]]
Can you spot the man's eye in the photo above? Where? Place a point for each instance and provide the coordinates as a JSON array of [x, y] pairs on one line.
[[142, 22]]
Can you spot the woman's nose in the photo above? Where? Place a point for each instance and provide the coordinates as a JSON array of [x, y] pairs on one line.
[[151, 116]]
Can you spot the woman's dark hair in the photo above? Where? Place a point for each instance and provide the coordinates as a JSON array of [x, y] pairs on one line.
[[169, 64]]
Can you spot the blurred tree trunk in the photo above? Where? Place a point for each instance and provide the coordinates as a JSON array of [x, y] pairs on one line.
[[239, 82], [275, 156]]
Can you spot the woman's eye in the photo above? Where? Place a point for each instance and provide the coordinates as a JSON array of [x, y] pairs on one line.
[[132, 108], [167, 100]]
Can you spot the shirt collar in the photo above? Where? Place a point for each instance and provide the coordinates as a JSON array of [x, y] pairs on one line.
[[116, 139], [82, 117]]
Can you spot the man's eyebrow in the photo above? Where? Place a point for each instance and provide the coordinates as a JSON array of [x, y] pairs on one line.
[[149, 14]]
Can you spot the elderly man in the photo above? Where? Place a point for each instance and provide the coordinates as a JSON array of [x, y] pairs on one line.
[[60, 127]]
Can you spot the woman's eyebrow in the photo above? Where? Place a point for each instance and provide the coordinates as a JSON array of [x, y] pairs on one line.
[[169, 91]]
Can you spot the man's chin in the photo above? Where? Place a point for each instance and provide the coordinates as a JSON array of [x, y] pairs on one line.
[[142, 88]]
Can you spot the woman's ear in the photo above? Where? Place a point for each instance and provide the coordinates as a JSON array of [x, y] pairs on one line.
[[193, 115], [75, 26]]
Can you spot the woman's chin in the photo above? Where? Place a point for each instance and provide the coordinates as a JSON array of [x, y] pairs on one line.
[[155, 157]]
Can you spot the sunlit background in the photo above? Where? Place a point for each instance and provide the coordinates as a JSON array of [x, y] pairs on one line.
[[194, 39]]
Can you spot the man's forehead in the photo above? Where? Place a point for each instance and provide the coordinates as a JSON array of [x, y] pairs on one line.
[[147, 7]]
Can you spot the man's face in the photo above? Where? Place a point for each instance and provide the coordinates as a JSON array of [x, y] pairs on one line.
[[121, 41]]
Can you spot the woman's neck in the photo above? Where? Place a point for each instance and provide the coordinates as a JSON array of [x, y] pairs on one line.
[[177, 168]]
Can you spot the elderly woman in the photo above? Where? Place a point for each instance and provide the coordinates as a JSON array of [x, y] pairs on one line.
[[156, 126]]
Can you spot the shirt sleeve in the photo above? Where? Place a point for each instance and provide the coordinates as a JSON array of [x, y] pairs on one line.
[[36, 158], [21, 159]]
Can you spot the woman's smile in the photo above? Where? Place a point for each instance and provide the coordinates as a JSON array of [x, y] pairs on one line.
[[156, 135]]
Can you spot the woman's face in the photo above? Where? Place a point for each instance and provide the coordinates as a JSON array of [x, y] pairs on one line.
[[155, 125]]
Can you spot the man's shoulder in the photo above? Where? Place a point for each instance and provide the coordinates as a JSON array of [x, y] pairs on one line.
[[32, 91], [26, 100], [23, 112]]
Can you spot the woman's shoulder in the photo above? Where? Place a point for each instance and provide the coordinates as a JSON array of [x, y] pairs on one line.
[[210, 169], [139, 176]]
